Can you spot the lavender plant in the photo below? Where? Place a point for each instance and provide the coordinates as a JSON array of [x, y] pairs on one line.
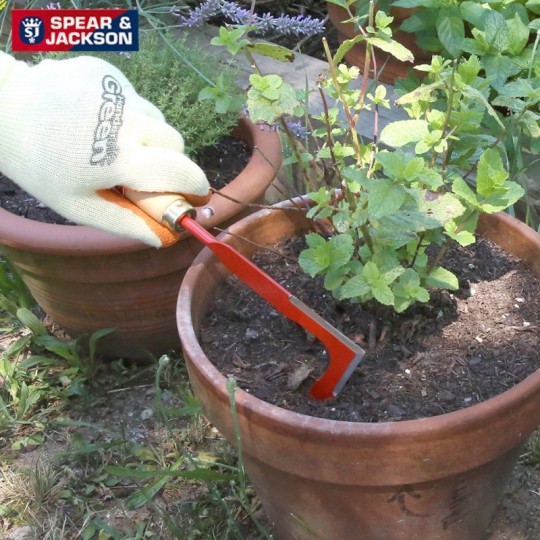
[[300, 25], [394, 202]]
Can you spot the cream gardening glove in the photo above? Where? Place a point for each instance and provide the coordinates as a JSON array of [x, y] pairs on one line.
[[71, 130]]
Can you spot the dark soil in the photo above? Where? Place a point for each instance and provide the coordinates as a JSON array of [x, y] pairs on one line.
[[456, 351], [221, 163]]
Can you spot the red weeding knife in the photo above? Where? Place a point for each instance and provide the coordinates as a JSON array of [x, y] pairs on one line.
[[344, 355]]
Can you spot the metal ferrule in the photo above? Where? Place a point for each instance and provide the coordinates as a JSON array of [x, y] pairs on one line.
[[174, 212]]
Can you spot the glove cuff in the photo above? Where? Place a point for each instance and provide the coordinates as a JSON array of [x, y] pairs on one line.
[[8, 64]]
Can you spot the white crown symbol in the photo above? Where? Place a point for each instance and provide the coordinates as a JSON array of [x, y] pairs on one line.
[[32, 23]]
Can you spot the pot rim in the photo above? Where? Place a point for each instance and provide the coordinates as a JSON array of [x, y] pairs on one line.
[[23, 233], [494, 410]]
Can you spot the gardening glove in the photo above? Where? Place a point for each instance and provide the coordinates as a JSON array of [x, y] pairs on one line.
[[73, 130]]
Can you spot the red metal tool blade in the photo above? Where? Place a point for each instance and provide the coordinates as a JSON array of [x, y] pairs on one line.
[[344, 355]]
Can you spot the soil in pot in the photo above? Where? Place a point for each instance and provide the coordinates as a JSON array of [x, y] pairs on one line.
[[221, 162], [460, 349]]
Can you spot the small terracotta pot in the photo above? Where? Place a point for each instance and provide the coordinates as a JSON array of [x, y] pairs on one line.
[[427, 479], [86, 279], [393, 68]]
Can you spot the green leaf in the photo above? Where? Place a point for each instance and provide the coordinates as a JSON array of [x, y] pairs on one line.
[[330, 254], [443, 279], [394, 273], [450, 29], [345, 47], [533, 5], [334, 278], [408, 221], [232, 39], [462, 190], [339, 150], [402, 132], [499, 69], [491, 173], [519, 35], [409, 278], [496, 31], [31, 321], [463, 238], [421, 93], [95, 337], [34, 439], [501, 200], [371, 272], [314, 240], [385, 197], [444, 207], [408, 290], [473, 12], [315, 260], [519, 88], [356, 287], [392, 47], [393, 163], [272, 50], [269, 98], [65, 349], [469, 91], [383, 294]]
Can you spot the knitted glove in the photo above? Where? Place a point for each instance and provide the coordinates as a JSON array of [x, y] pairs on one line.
[[71, 130]]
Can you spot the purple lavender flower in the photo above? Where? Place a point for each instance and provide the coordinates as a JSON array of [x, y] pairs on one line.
[[300, 25], [235, 13], [297, 129], [199, 15]]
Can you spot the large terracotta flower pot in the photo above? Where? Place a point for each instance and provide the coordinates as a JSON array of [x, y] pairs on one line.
[[86, 279], [428, 479], [393, 68]]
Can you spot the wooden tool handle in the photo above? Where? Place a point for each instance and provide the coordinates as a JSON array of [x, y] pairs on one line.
[[166, 208]]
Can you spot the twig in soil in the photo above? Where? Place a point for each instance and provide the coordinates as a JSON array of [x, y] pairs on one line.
[[372, 339], [129, 388]]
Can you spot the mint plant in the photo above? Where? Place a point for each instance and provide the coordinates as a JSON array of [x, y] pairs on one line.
[[384, 210], [389, 207], [444, 26]]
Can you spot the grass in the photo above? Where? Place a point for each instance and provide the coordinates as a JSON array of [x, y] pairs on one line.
[[114, 450]]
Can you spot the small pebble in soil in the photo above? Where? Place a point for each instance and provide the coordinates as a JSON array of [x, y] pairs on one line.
[[146, 414]]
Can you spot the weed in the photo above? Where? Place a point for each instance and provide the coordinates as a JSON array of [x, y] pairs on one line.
[[532, 452], [13, 292]]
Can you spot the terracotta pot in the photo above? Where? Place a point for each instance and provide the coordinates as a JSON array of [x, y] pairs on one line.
[[393, 68], [434, 478], [86, 279]]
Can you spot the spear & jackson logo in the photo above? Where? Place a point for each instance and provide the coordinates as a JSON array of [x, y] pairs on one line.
[[75, 30]]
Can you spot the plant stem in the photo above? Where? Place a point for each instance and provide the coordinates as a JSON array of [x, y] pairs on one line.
[[451, 93], [329, 140], [354, 134]]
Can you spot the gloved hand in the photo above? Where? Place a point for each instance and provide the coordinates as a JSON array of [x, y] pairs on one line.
[[71, 130]]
